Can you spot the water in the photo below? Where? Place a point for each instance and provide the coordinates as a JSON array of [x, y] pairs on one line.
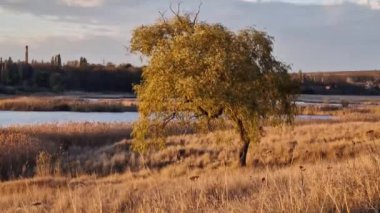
[[12, 118], [315, 117], [337, 99], [302, 103]]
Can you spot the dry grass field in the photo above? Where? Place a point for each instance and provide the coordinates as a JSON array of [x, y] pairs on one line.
[[47, 103], [324, 166]]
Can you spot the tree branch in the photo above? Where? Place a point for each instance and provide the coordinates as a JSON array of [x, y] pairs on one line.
[[197, 13], [216, 115], [162, 14], [204, 112], [178, 12], [168, 119]]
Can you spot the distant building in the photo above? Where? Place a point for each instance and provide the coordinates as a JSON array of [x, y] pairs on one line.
[[27, 54]]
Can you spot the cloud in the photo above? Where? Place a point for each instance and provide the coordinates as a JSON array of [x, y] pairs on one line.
[[311, 35], [83, 3], [373, 4]]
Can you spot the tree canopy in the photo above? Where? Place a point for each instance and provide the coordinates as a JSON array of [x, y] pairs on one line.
[[198, 72]]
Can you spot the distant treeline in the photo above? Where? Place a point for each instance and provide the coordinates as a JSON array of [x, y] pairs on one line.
[[340, 83], [80, 76]]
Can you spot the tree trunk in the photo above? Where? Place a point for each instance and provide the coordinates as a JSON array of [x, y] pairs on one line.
[[243, 154], [246, 141]]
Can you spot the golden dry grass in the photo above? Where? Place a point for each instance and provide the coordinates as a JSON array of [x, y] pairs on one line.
[[311, 167], [20, 145], [47, 103], [357, 112], [321, 186], [351, 185]]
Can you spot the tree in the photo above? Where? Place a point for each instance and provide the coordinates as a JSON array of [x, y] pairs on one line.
[[199, 72], [10, 74], [41, 79], [56, 61], [56, 82], [83, 62]]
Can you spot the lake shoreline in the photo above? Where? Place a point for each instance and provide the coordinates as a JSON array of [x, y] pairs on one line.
[[25, 118], [119, 102], [69, 103]]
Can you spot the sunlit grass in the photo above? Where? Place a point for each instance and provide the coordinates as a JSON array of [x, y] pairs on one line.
[[66, 104], [311, 167]]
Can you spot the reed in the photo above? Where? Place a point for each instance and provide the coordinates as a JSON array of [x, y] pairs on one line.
[[47, 103], [310, 167]]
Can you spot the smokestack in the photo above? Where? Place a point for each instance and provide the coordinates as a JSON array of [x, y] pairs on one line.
[[27, 54]]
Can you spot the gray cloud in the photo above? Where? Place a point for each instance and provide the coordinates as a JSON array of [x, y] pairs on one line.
[[104, 11], [311, 37]]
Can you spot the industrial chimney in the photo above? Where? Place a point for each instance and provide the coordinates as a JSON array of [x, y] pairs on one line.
[[27, 54]]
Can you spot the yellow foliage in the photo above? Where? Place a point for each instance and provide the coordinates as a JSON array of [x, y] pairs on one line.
[[199, 72]]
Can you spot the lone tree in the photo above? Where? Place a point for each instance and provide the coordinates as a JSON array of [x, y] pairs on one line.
[[199, 72]]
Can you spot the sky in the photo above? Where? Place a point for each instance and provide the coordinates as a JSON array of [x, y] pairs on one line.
[[310, 35]]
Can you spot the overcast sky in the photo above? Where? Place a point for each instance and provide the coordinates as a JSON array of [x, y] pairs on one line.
[[310, 35]]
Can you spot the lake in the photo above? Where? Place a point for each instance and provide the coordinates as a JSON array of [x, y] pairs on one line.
[[12, 118], [315, 117], [336, 99]]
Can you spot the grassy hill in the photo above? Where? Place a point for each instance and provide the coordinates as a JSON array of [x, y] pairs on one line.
[[315, 166]]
